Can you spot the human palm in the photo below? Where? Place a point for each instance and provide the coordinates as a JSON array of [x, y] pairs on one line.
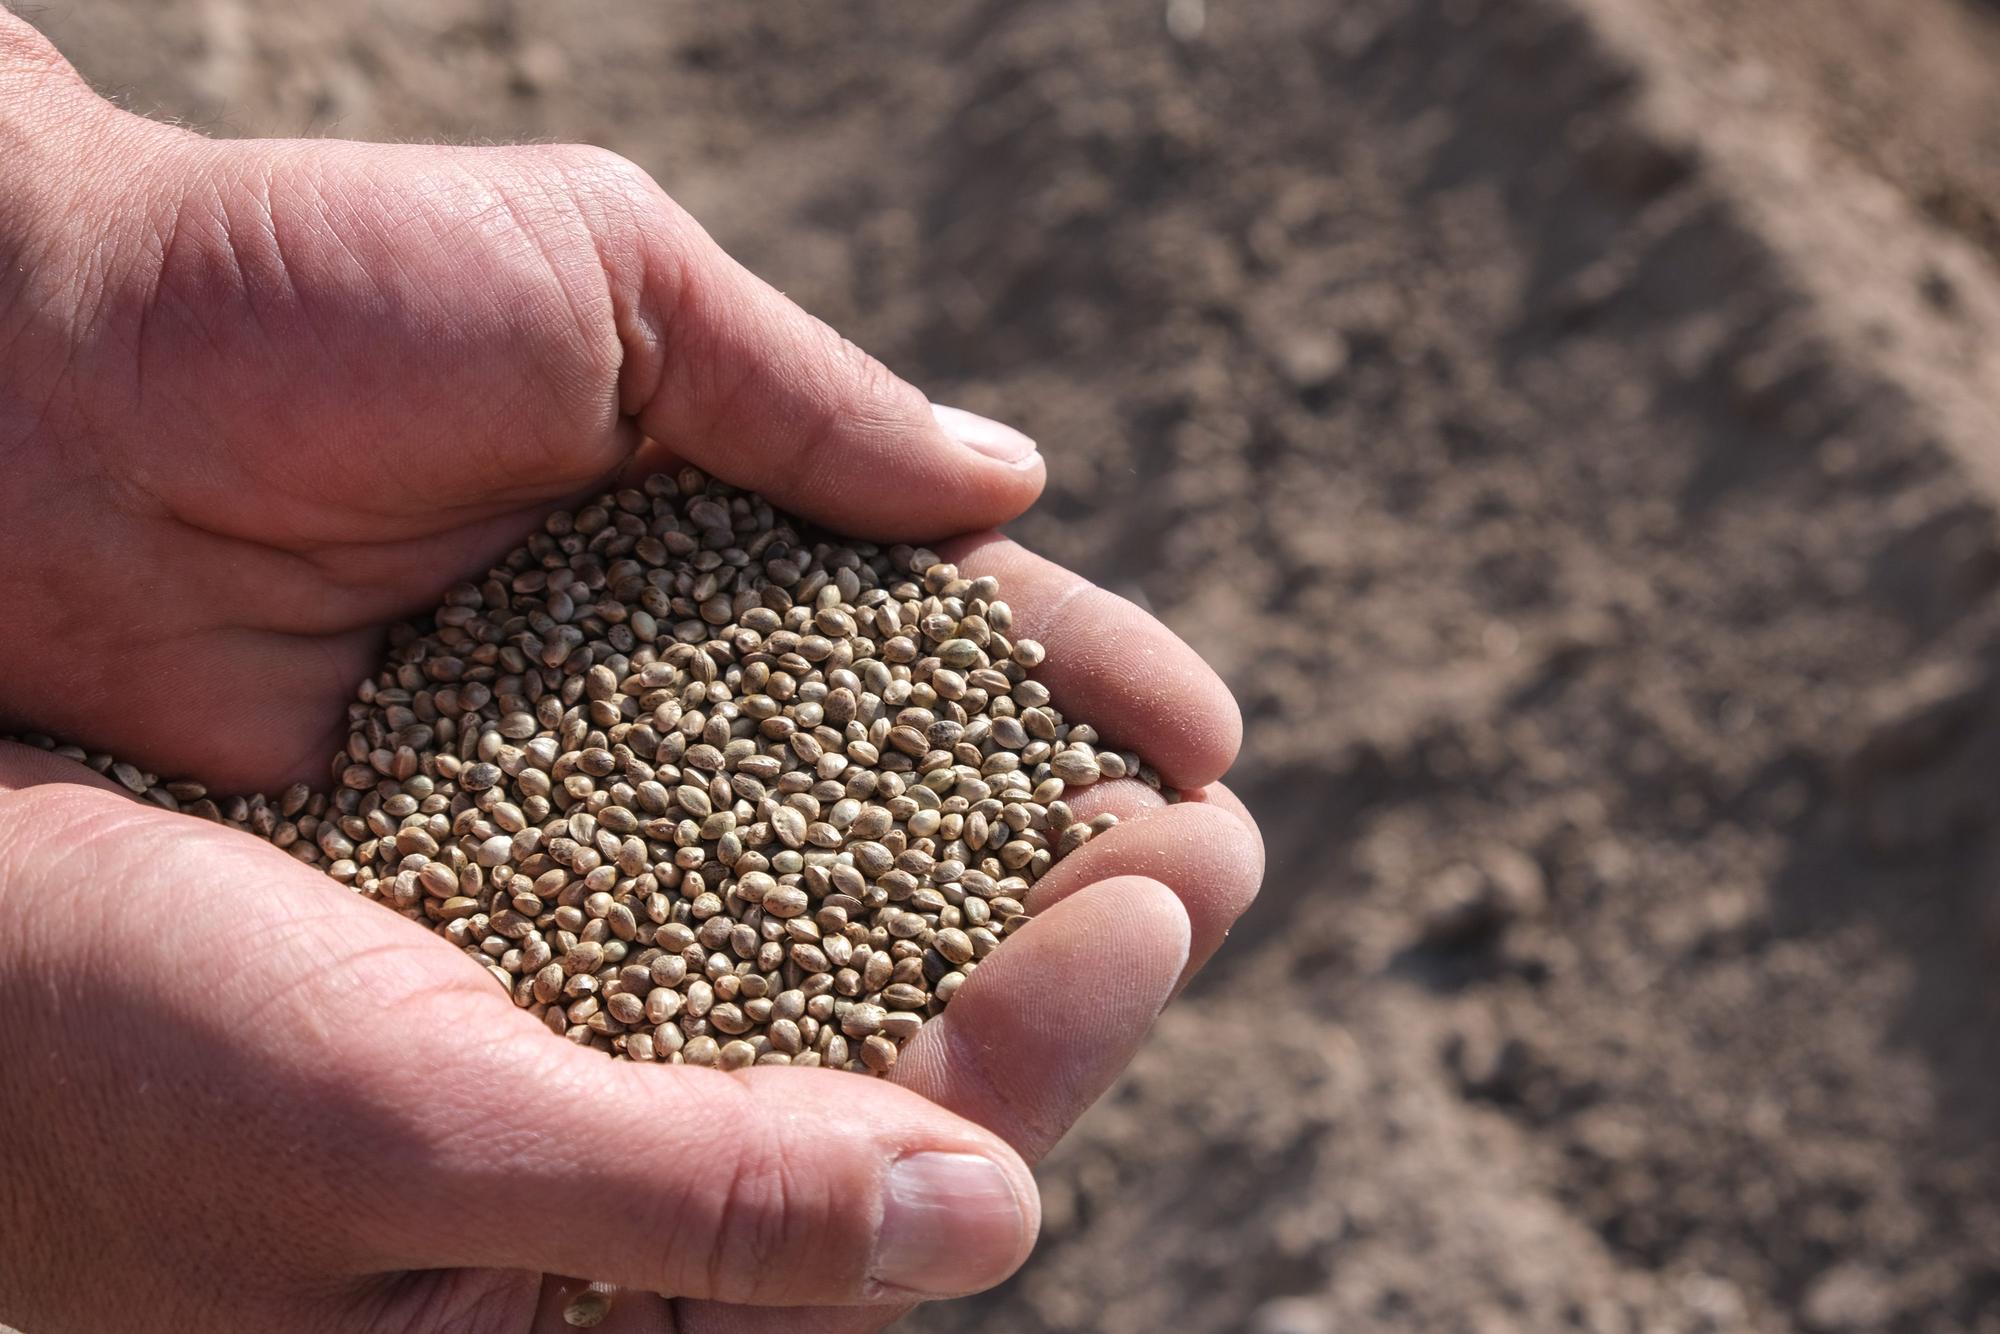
[[257, 401]]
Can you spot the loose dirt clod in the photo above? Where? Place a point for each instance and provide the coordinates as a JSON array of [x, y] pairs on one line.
[[698, 786]]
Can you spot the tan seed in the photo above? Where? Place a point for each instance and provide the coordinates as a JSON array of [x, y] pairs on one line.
[[879, 1053], [683, 768]]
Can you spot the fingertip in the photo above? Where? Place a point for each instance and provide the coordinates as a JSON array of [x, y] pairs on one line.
[[1126, 798], [1152, 921], [952, 1223], [1111, 665], [1045, 1024], [1208, 739], [959, 1209], [1226, 741], [987, 438], [1213, 861], [1223, 797], [963, 473], [1122, 933], [1219, 797], [739, 380]]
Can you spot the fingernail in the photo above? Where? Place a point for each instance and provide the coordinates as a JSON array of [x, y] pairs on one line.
[[985, 435], [951, 1224]]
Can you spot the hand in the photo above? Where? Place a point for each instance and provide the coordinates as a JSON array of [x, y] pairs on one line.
[[240, 1098], [258, 399], [271, 1105]]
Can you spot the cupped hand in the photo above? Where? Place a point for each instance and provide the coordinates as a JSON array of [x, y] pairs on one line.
[[238, 1097], [259, 398], [256, 400]]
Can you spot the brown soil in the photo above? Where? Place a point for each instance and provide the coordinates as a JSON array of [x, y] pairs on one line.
[[1612, 603], [1912, 94]]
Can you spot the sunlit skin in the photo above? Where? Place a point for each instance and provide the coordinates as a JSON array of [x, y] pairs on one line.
[[258, 399]]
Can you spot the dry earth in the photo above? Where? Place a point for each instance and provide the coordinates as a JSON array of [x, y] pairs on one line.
[[1569, 424]]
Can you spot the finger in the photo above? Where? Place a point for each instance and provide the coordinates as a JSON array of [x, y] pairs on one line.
[[768, 1186], [1126, 798], [1225, 799], [1112, 665], [1217, 875], [730, 374], [1212, 860], [1030, 1041], [1044, 1026], [461, 1135]]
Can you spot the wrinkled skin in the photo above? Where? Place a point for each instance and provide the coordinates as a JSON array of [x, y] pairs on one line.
[[258, 399]]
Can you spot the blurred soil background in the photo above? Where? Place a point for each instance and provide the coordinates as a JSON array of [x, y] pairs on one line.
[[1573, 428]]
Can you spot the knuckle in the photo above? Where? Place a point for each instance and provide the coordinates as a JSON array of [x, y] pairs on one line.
[[857, 402], [868, 392], [654, 257], [865, 374], [561, 186]]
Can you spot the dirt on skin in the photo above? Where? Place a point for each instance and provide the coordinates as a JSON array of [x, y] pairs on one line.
[[1615, 623]]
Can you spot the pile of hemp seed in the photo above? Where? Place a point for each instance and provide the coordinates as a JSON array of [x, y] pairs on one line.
[[698, 785]]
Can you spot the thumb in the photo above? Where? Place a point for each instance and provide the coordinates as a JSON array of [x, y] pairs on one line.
[[769, 1186], [729, 374]]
